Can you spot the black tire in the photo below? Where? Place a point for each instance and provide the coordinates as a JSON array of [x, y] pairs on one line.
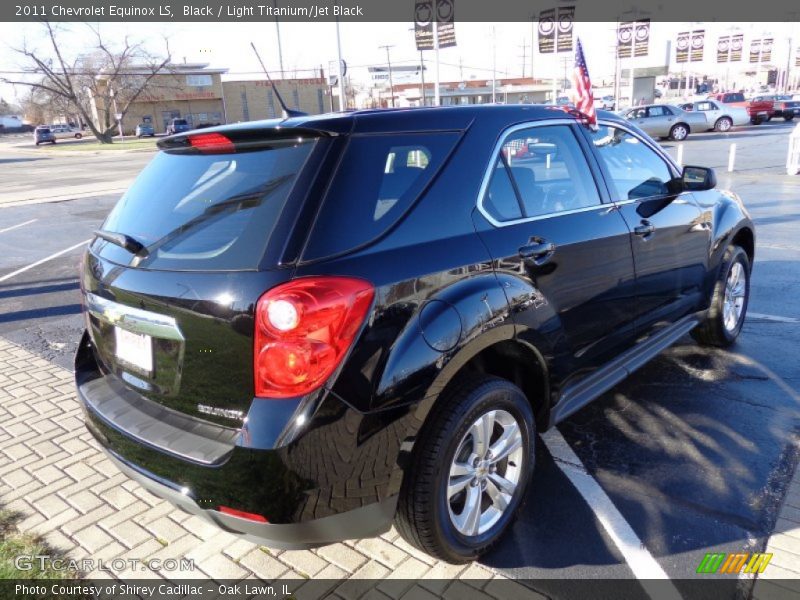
[[723, 124], [37, 143], [712, 331], [756, 120], [78, 136], [788, 118], [679, 132], [424, 510]]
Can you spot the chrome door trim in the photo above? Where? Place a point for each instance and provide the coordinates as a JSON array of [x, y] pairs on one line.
[[489, 171]]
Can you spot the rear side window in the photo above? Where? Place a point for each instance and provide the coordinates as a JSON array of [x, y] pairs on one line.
[[378, 179], [206, 212]]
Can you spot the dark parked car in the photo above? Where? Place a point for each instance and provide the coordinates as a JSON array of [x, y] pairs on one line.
[[343, 321], [43, 135], [178, 126]]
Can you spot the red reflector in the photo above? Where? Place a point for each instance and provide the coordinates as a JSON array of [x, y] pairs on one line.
[[304, 328], [242, 514], [212, 143]]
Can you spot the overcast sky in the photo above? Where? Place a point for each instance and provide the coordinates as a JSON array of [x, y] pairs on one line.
[[311, 45]]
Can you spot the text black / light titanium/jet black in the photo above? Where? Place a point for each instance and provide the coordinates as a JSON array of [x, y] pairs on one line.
[[305, 330]]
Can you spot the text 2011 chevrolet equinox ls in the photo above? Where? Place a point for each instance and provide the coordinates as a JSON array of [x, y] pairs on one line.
[[305, 330]]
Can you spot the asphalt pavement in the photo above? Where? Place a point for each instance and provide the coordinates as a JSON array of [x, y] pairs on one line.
[[694, 450]]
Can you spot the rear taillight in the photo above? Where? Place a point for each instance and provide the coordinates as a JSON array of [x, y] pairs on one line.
[[211, 143], [303, 330]]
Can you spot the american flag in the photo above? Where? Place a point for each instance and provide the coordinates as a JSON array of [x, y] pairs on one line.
[[583, 98]]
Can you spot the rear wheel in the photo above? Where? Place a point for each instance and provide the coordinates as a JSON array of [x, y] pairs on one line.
[[729, 300], [756, 120], [788, 118], [78, 136], [472, 464], [679, 132], [723, 124]]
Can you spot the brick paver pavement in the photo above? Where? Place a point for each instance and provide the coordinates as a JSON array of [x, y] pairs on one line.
[[56, 477]]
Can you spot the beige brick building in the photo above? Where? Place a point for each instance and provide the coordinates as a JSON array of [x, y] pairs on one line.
[[195, 92], [191, 91], [255, 100]]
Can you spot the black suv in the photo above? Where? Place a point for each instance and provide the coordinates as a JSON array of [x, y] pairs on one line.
[[305, 331]]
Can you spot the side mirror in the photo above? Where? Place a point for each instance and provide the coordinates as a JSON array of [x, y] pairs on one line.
[[698, 179]]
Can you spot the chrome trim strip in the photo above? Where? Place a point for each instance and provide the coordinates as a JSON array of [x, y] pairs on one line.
[[134, 319], [488, 174]]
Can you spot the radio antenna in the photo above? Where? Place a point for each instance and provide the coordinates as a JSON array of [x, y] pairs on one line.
[[287, 112]]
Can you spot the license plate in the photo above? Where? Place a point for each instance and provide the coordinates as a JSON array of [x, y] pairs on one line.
[[134, 349]]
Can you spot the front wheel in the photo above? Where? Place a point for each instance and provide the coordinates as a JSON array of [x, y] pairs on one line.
[[679, 132], [756, 120], [729, 301], [723, 124], [472, 464], [788, 118], [78, 136]]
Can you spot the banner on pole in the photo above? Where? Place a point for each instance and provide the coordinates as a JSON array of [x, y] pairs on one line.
[[625, 40], [724, 49], [737, 44], [698, 45], [547, 31], [766, 50], [682, 47], [566, 16], [755, 51], [641, 37], [424, 16]]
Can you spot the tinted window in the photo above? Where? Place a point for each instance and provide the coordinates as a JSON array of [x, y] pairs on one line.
[[211, 212], [705, 106], [636, 171], [733, 98], [377, 181], [548, 170], [659, 111], [501, 200]]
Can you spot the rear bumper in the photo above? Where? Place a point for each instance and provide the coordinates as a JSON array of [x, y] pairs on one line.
[[368, 521], [305, 502]]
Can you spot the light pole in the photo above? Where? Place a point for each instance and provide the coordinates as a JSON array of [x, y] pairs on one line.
[[342, 98], [278, 31], [389, 62]]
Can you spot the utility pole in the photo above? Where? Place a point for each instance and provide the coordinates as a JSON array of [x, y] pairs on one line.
[[436, 93], [422, 76], [342, 97], [533, 40], [524, 56], [278, 31], [389, 62], [494, 66]]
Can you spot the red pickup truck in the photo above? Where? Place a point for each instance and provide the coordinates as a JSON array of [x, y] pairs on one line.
[[759, 110]]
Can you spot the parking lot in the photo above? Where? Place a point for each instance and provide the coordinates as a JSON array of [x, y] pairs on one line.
[[693, 454]]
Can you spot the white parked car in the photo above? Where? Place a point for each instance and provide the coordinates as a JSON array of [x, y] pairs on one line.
[[720, 117], [65, 131]]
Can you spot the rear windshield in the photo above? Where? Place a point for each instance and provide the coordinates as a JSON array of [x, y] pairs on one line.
[[733, 98], [43, 130], [206, 212], [180, 122], [378, 180]]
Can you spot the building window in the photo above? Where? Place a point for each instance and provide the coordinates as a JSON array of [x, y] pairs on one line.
[[271, 105], [245, 109], [321, 100]]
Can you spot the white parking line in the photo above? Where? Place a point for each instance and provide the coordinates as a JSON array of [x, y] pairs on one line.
[[774, 318], [44, 260], [641, 562], [19, 225]]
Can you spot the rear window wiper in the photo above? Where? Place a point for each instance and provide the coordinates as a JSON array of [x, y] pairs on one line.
[[124, 241]]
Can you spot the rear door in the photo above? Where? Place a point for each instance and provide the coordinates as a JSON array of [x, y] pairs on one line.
[[670, 236], [562, 254]]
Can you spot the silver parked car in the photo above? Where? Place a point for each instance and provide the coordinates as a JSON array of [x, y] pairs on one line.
[[66, 131], [666, 121], [720, 117]]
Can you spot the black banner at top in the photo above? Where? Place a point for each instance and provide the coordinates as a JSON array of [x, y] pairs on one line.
[[641, 36], [547, 31], [625, 40], [682, 47], [737, 43], [566, 16], [766, 50], [755, 51], [698, 45], [724, 49], [424, 14]]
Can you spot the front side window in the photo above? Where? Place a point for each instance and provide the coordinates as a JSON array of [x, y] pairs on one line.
[[539, 171], [635, 170]]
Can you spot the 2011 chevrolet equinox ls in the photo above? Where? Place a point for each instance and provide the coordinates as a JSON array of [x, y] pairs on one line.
[[307, 329]]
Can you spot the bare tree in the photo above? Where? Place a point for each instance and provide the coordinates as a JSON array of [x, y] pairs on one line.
[[90, 83]]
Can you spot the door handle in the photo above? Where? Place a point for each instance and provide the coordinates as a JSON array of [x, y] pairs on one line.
[[645, 229], [538, 253]]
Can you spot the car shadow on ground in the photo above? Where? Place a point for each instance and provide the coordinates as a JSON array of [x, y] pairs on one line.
[[695, 452]]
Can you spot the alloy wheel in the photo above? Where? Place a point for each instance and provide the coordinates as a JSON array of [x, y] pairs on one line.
[[485, 472], [733, 302]]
